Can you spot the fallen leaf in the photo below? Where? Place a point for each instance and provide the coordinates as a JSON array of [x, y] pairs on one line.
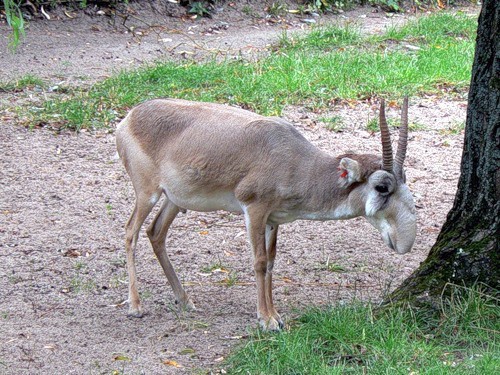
[[204, 232], [72, 253], [221, 269], [121, 357], [187, 351], [432, 230], [119, 304], [171, 363]]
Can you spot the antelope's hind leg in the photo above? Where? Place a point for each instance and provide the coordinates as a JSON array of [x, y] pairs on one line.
[[157, 233], [143, 205]]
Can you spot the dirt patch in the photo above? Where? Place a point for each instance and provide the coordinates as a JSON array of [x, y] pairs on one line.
[[65, 200]]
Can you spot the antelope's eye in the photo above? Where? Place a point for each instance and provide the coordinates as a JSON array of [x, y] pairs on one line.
[[383, 189]]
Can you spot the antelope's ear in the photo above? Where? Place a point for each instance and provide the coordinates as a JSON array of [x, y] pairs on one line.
[[349, 171]]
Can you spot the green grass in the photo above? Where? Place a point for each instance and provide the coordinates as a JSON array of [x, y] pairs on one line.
[[334, 123], [323, 38], [327, 64], [28, 81], [373, 125], [434, 29], [80, 284], [351, 339], [217, 266], [455, 128]]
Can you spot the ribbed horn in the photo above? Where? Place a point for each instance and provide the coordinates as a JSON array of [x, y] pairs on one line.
[[402, 141], [386, 140]]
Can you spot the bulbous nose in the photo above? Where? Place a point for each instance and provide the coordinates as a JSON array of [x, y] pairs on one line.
[[406, 240], [400, 241], [403, 249]]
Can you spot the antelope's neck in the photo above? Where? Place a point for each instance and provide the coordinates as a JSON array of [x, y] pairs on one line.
[[323, 196]]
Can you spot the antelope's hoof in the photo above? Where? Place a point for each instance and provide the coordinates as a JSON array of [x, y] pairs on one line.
[[277, 316], [271, 324], [186, 305], [281, 323], [135, 312]]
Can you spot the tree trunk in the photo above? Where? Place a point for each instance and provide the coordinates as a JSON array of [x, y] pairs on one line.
[[466, 251]]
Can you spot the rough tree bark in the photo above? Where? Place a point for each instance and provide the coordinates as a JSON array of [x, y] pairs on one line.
[[467, 250]]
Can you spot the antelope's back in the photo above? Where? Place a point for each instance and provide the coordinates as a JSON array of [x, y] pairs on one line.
[[176, 128], [155, 124]]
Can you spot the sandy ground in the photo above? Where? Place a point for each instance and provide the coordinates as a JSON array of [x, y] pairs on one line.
[[64, 200]]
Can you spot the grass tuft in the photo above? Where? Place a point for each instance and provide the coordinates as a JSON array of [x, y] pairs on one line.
[[334, 123], [28, 81], [434, 29], [462, 339], [322, 38]]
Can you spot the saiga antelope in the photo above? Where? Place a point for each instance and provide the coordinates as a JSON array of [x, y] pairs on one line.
[[207, 157]]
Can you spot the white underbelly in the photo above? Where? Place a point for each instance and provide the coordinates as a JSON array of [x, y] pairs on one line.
[[205, 202]]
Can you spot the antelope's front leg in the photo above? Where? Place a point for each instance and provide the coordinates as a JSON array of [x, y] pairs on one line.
[[271, 239], [255, 219]]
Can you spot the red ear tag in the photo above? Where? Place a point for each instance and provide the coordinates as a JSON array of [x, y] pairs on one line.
[[344, 173]]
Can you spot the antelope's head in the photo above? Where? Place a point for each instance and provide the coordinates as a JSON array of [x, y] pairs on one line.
[[390, 207], [388, 203]]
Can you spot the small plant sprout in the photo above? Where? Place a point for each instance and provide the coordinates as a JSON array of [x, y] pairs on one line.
[[199, 9], [248, 10], [333, 123], [333, 267], [387, 5], [78, 284], [79, 265], [117, 280], [146, 294], [215, 267], [455, 128], [277, 8], [231, 279]]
